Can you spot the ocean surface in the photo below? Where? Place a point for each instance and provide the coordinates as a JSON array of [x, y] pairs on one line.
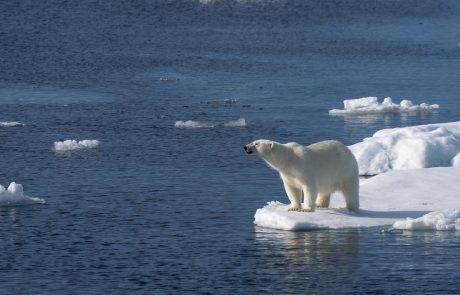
[[161, 207]]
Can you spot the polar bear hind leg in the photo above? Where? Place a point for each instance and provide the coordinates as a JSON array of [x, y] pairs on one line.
[[323, 200], [350, 191]]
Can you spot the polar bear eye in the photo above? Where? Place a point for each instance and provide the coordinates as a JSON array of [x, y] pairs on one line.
[[256, 144]]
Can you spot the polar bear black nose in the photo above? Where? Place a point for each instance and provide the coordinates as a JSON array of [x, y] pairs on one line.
[[247, 149]]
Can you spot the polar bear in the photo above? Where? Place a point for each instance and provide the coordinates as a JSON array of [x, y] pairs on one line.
[[317, 170]]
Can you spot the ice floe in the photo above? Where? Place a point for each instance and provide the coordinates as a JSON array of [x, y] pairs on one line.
[[168, 79], [197, 124], [12, 124], [371, 105], [412, 147], [14, 196], [386, 199], [72, 145]]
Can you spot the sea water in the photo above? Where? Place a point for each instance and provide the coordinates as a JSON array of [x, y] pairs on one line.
[[172, 90]]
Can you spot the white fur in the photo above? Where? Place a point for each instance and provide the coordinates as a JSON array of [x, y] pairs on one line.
[[317, 170]]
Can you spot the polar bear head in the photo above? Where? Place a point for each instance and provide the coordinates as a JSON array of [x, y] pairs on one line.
[[259, 147]]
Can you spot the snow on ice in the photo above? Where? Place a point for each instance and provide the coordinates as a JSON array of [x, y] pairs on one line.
[[448, 219], [423, 146]]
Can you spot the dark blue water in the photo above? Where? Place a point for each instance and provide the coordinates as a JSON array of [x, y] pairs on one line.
[[161, 210]]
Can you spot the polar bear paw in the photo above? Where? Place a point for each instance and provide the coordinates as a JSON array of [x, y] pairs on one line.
[[292, 208], [306, 210]]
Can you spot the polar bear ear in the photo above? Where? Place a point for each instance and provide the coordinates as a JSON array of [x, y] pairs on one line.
[[272, 145]]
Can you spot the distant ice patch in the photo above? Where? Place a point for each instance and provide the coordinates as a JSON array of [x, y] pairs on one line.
[[168, 79], [14, 196], [241, 122], [197, 124], [423, 146], [12, 124], [371, 105], [192, 124], [72, 145], [448, 219]]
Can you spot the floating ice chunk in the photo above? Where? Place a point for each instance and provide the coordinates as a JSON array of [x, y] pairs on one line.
[[370, 105], [12, 124], [388, 102], [14, 196], [365, 102], [71, 145], [197, 124], [448, 219], [276, 215], [241, 122], [406, 104], [384, 199], [168, 79], [192, 124], [413, 147]]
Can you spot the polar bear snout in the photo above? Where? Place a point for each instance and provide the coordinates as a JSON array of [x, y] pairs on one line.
[[248, 149], [259, 147]]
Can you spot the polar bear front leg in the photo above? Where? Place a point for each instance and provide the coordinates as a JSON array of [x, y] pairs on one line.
[[294, 194], [310, 193]]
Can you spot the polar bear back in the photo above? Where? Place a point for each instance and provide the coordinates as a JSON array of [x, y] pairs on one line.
[[334, 163], [328, 163]]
